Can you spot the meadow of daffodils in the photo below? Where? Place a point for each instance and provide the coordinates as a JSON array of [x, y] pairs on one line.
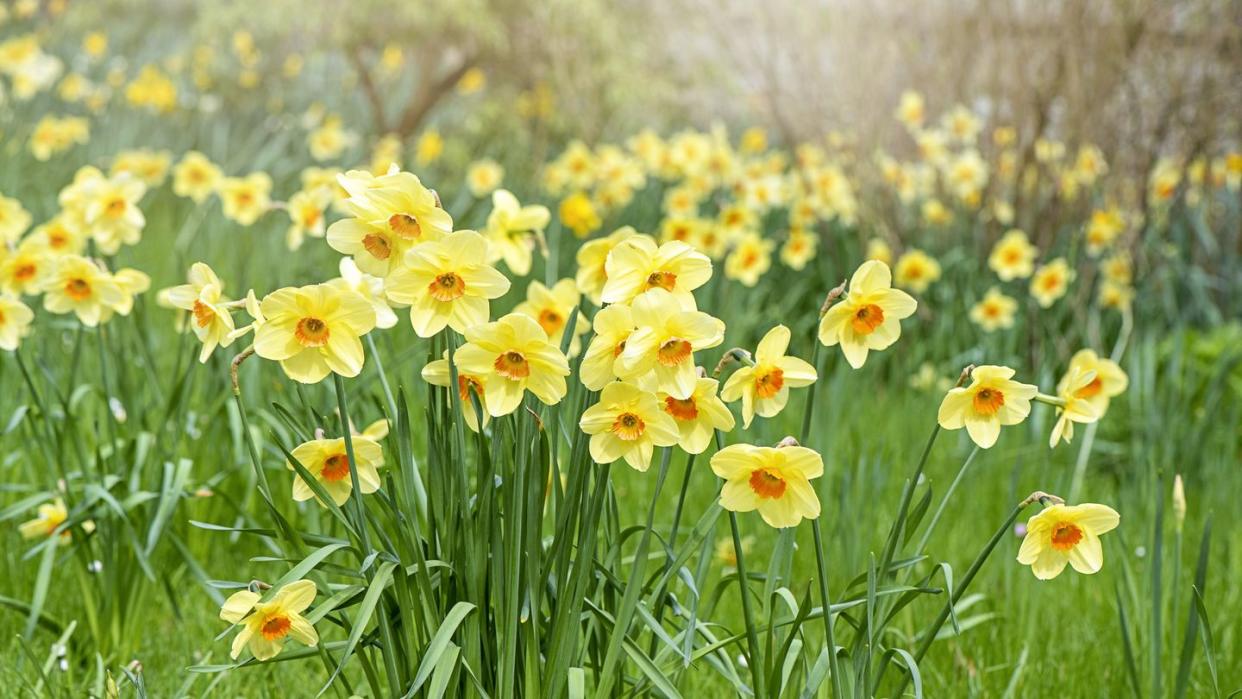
[[291, 407]]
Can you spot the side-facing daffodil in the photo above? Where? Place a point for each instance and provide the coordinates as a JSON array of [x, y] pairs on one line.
[[613, 326], [314, 330], [266, 626], [592, 259], [203, 297], [15, 320], [993, 399], [437, 373], [773, 480], [1110, 380], [514, 231], [1073, 408], [1062, 534], [627, 422], [764, 387], [868, 318]]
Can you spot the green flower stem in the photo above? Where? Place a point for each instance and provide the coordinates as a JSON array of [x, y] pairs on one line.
[[929, 635]]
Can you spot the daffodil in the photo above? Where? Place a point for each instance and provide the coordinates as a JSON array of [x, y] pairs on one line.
[[879, 251], [306, 217], [868, 318], [799, 249], [437, 373], [77, 285], [267, 626], [484, 176], [578, 214], [314, 330], [1051, 281], [247, 198], [994, 311], [1062, 534], [1073, 408], [764, 387], [552, 309], [25, 270], [699, 416], [48, 518], [636, 265], [15, 320], [148, 166], [773, 480], [592, 261], [1109, 380], [14, 220], [203, 296], [627, 422], [196, 177], [1013, 256], [916, 270], [613, 326], [447, 282], [514, 231], [57, 237], [515, 355], [371, 288], [105, 209], [750, 259], [992, 400], [662, 348], [328, 461], [387, 216]]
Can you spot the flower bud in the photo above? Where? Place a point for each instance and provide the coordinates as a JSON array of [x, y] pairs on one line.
[[1179, 502]]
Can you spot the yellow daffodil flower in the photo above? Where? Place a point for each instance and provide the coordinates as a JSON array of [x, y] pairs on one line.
[[660, 353], [552, 309], [77, 285], [437, 373], [313, 331], [328, 462], [515, 355], [764, 387], [916, 270], [773, 480], [992, 400], [627, 422], [1074, 408], [699, 416], [868, 318], [247, 198], [1051, 281], [994, 311], [203, 296], [15, 320], [1109, 380], [1013, 256], [592, 261], [447, 282], [636, 265], [514, 230], [196, 177], [1062, 534], [266, 626], [388, 215]]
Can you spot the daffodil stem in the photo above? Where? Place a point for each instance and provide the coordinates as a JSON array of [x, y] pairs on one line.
[[356, 494], [672, 543], [809, 410], [1080, 464], [829, 639], [929, 635], [754, 660]]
